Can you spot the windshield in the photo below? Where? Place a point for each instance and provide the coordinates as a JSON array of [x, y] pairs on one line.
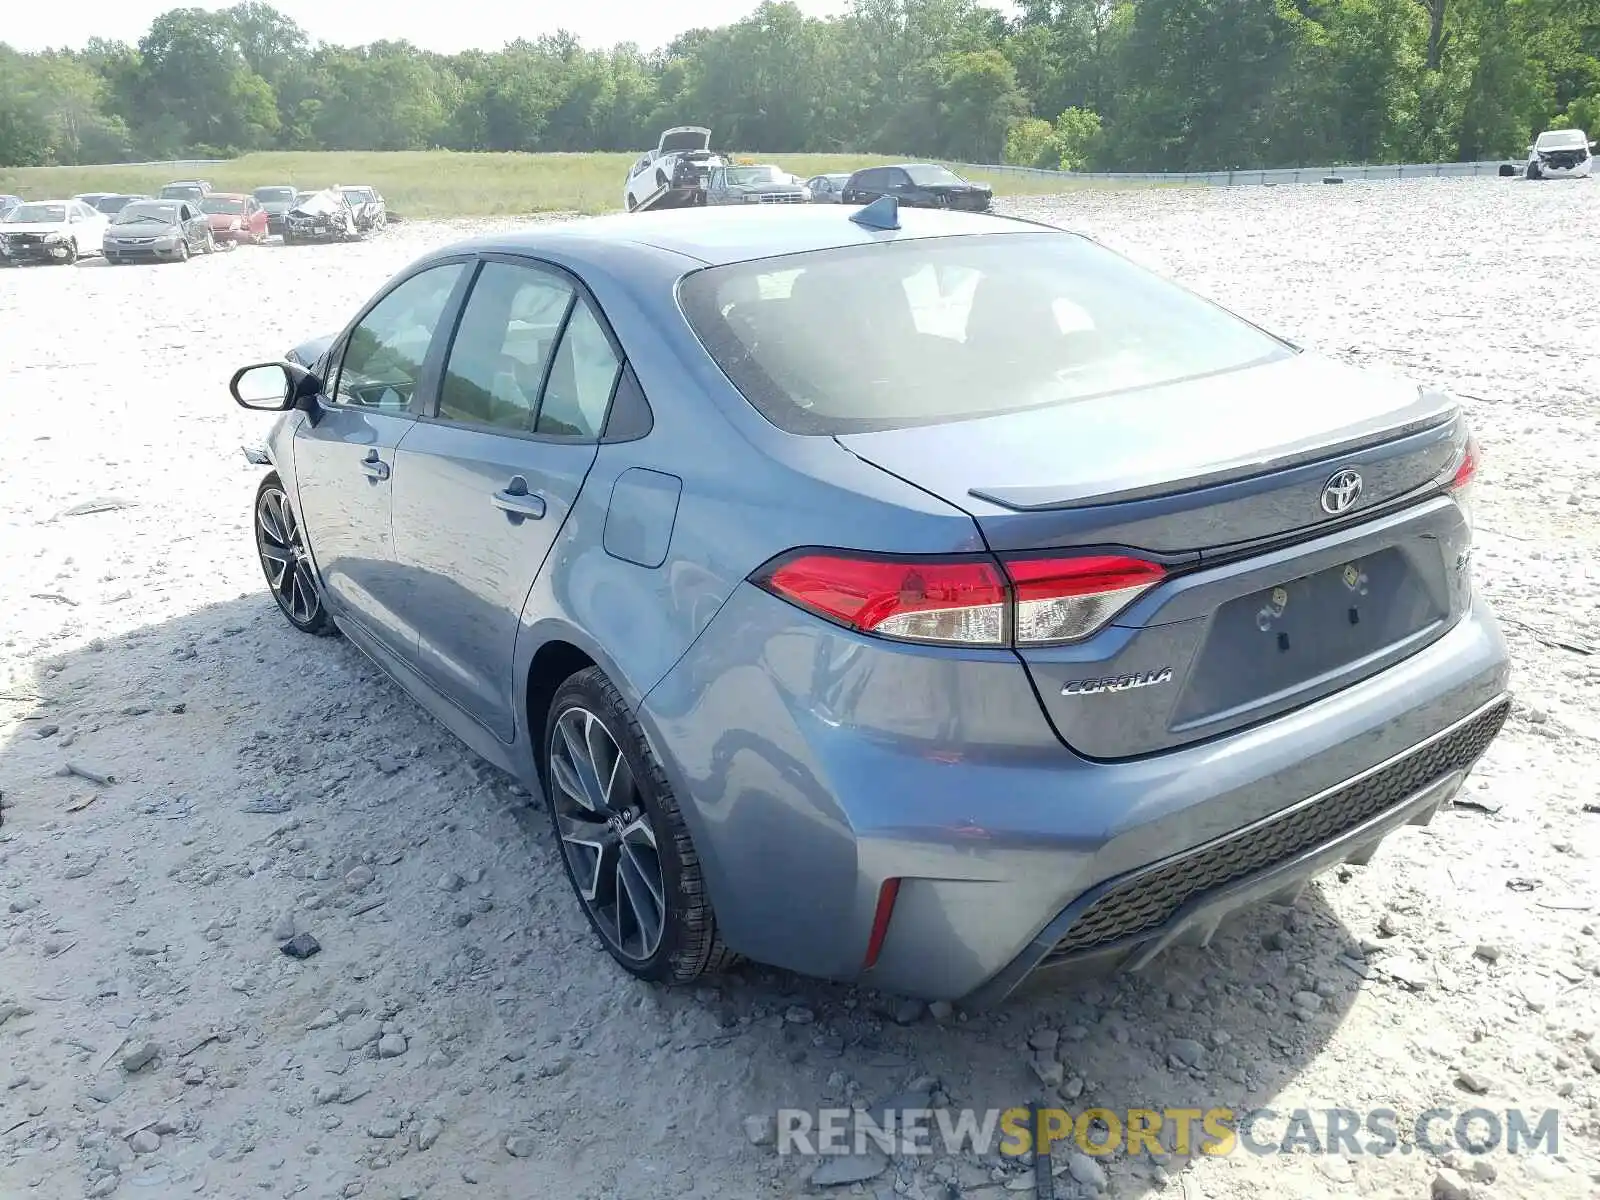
[[1561, 139], [355, 195], [111, 205], [743, 176], [181, 193], [919, 332], [222, 206], [929, 175], [167, 214], [275, 195], [44, 214]]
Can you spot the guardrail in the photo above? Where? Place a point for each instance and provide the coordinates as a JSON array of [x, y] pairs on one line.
[[1275, 175]]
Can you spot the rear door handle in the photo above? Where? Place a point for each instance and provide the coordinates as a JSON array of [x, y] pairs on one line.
[[515, 499], [375, 466]]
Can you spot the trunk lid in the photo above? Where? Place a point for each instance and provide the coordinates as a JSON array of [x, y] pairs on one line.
[[1271, 600]]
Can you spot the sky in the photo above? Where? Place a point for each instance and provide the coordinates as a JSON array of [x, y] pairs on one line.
[[447, 26]]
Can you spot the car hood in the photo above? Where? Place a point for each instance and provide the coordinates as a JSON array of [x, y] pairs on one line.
[[32, 227], [308, 352], [323, 204], [1158, 440]]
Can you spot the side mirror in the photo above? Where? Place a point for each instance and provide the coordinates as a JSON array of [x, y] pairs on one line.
[[271, 387]]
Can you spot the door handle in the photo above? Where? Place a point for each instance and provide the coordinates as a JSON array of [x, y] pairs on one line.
[[375, 466], [516, 500]]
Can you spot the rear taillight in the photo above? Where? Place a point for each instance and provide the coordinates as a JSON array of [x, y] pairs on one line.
[[957, 600], [1063, 599], [962, 600], [1463, 473]]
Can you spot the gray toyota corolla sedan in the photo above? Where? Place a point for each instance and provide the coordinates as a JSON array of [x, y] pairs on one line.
[[927, 599]]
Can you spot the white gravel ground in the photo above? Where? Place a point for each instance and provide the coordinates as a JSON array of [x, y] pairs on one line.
[[460, 1035]]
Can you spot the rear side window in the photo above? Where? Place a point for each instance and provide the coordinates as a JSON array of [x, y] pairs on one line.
[[583, 376], [930, 330], [497, 361]]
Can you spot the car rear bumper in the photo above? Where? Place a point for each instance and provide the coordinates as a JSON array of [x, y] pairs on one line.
[[814, 765]]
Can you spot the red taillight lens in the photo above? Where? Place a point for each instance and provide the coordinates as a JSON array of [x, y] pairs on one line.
[[952, 600], [1460, 485], [963, 600], [1063, 599], [1468, 466]]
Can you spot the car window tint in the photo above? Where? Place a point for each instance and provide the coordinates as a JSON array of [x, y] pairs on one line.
[[498, 357], [384, 354], [582, 378], [923, 331]]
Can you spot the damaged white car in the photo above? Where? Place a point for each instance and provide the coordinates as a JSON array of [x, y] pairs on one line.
[[675, 173], [1561, 154]]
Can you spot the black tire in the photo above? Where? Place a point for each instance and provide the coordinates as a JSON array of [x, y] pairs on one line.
[[1534, 172], [209, 246], [183, 251], [312, 618], [72, 252], [632, 204], [690, 945]]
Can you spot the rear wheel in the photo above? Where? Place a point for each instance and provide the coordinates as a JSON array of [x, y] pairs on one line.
[[625, 847], [183, 251]]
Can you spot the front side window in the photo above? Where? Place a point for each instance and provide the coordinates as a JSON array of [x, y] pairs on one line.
[[918, 332], [497, 361], [384, 354], [583, 376]]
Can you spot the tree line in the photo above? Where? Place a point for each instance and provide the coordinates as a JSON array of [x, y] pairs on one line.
[[1106, 84]]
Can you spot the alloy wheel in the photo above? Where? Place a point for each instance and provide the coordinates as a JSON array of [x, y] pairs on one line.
[[607, 835], [284, 558]]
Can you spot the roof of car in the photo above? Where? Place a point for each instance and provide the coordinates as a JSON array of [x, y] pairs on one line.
[[732, 234]]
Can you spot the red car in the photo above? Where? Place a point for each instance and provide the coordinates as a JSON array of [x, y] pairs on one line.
[[235, 218]]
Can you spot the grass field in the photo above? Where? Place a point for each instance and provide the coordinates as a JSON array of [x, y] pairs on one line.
[[440, 183]]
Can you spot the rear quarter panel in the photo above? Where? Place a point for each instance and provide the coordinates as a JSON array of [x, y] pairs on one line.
[[748, 492]]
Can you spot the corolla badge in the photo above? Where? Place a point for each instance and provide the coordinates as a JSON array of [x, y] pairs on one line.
[[1341, 492], [1116, 683]]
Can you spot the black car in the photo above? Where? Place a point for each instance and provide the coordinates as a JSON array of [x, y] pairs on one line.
[[921, 185], [277, 199], [158, 231]]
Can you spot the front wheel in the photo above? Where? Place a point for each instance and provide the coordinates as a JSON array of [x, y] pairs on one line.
[[1534, 172], [623, 841], [183, 251], [285, 560], [72, 252]]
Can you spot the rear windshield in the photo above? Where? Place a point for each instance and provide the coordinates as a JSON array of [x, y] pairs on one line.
[[218, 207], [924, 331], [274, 195]]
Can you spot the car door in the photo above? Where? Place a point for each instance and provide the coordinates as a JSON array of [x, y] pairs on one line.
[[484, 484], [344, 452]]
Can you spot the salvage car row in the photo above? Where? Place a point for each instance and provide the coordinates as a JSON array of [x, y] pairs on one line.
[[185, 218]]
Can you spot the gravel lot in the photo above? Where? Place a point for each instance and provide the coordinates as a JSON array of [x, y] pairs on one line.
[[461, 1035]]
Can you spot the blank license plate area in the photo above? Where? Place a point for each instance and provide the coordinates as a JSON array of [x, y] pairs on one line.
[[1276, 639]]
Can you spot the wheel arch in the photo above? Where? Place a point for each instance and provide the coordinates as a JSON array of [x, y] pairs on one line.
[[552, 664]]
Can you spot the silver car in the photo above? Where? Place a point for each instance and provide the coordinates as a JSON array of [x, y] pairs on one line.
[[759, 184], [828, 189], [922, 598]]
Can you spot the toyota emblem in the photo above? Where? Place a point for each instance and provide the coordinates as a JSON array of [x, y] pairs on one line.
[[1341, 492]]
